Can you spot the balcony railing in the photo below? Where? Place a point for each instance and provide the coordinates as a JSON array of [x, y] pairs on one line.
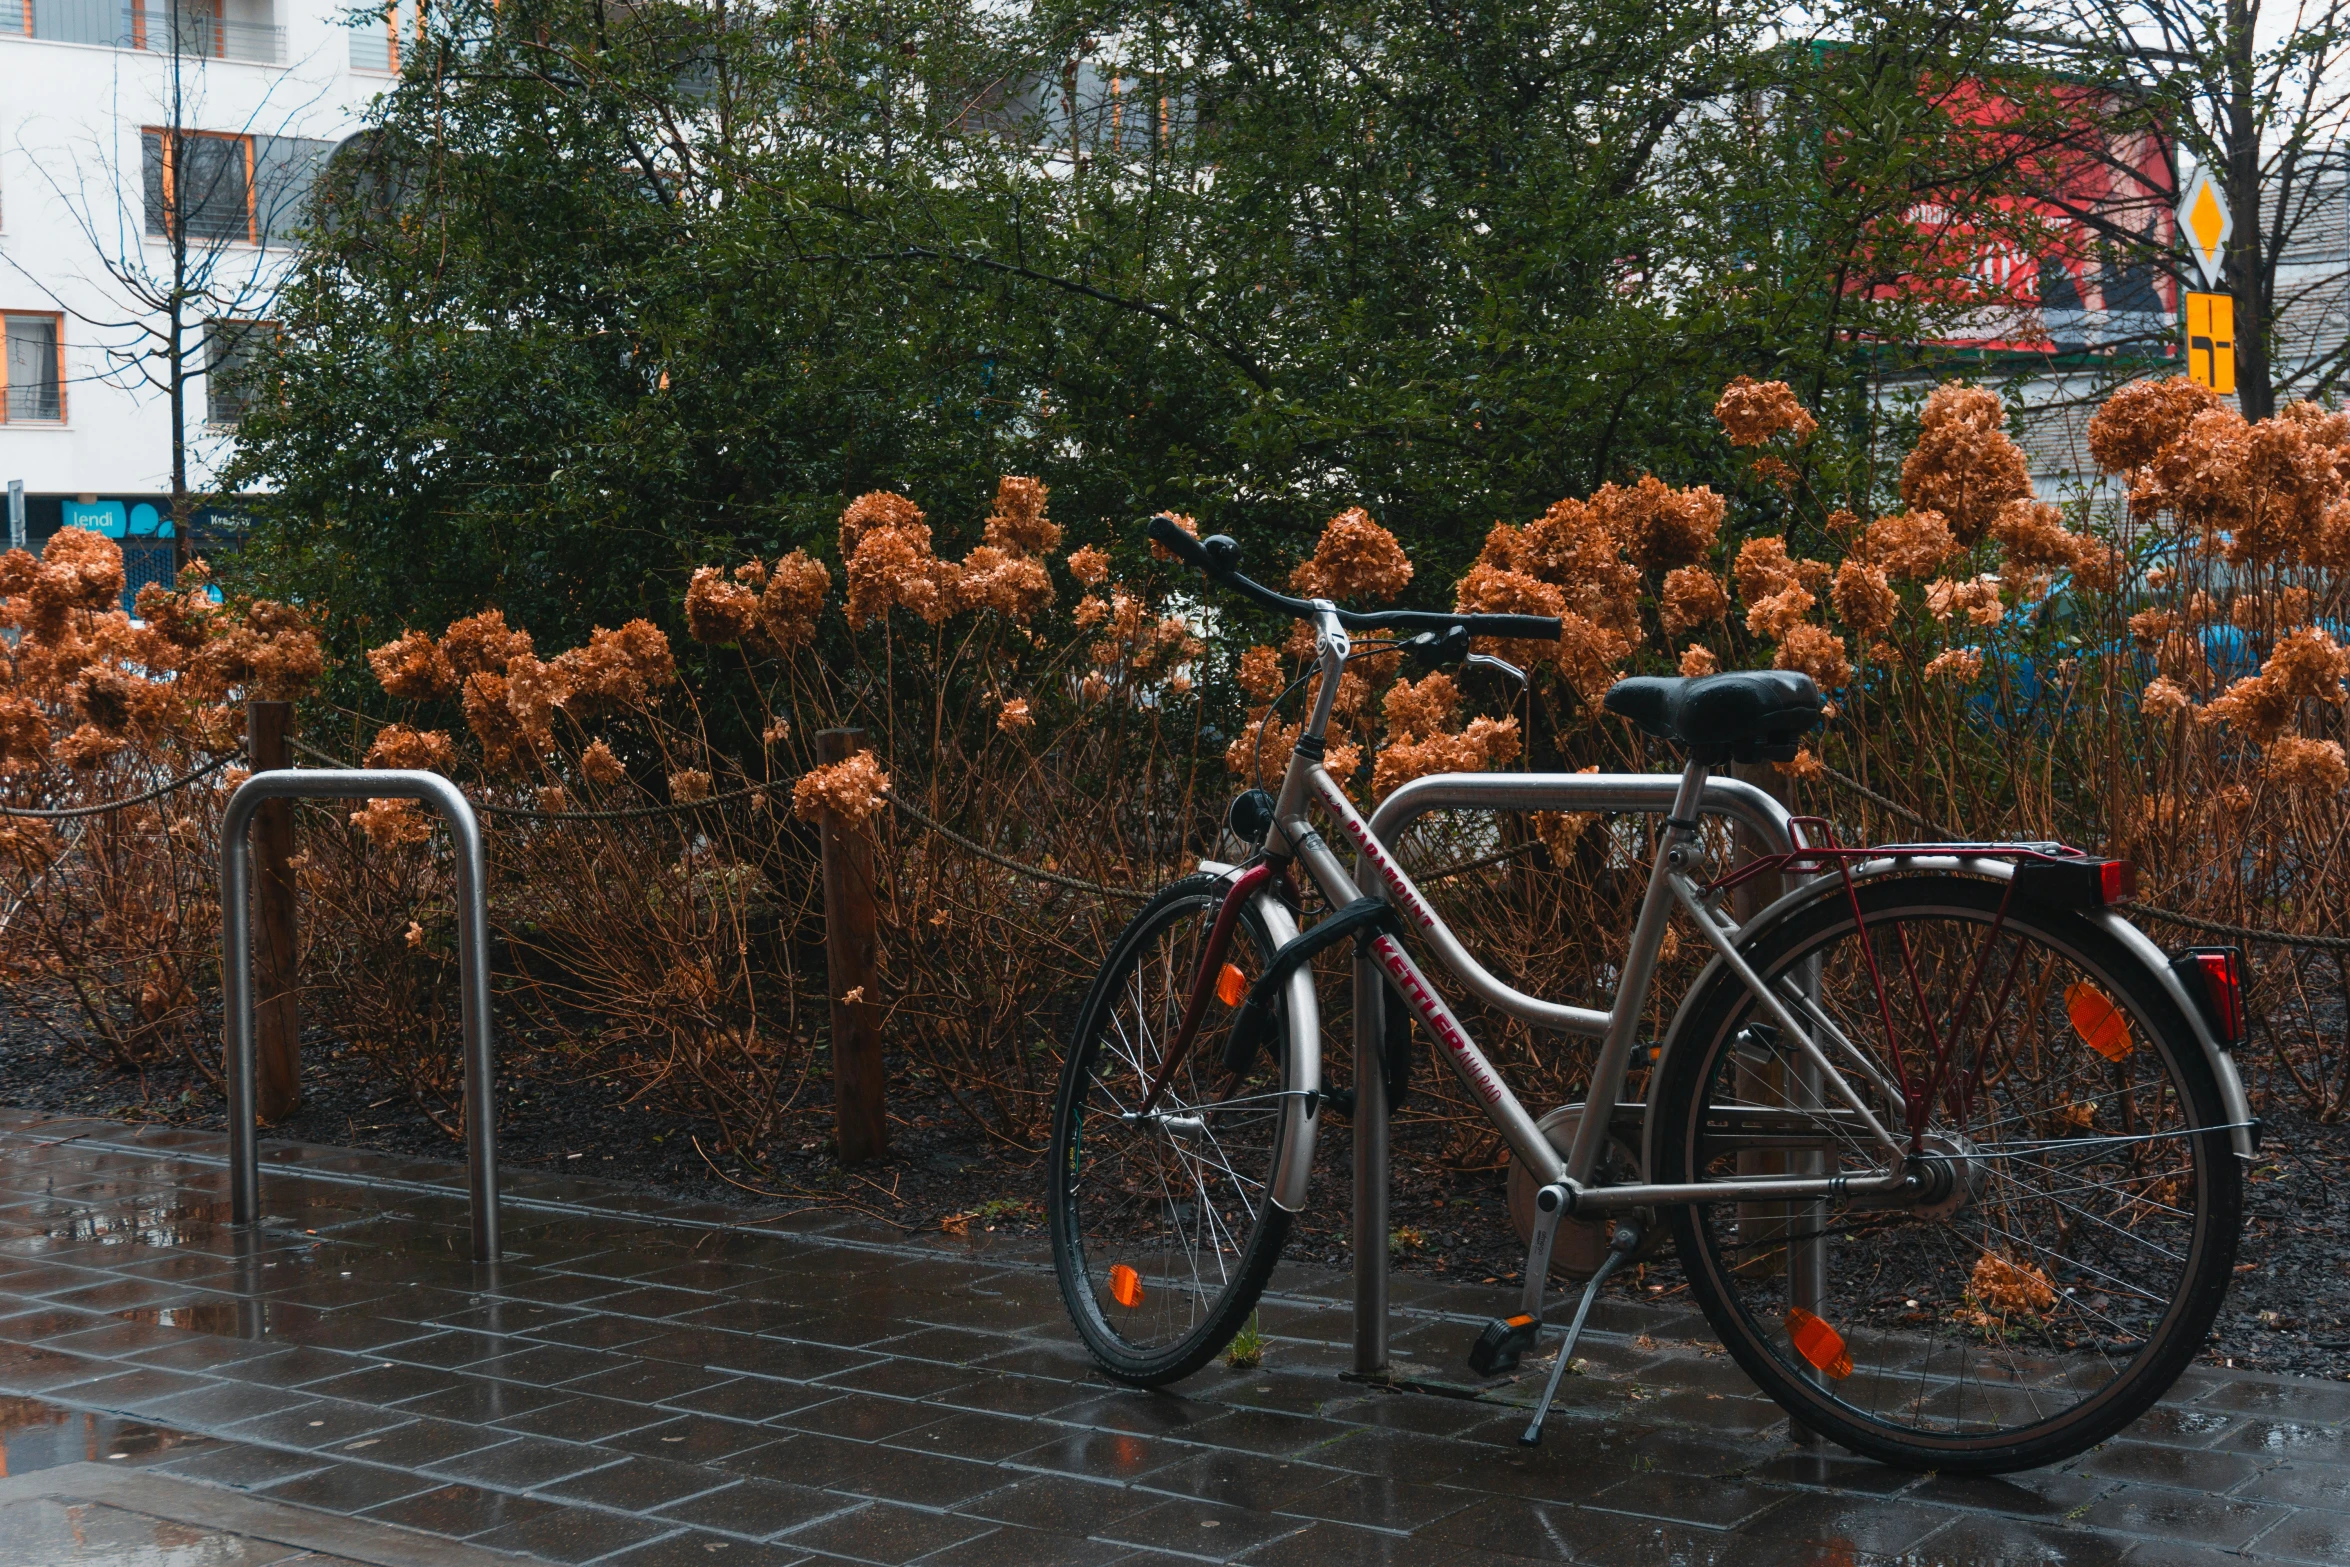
[[156, 30]]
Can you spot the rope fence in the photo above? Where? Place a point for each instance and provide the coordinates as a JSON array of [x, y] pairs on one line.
[[2151, 911], [972, 846], [69, 813], [617, 813]]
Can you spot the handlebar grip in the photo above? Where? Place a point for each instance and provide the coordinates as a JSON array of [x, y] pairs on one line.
[[1164, 533], [1531, 628]]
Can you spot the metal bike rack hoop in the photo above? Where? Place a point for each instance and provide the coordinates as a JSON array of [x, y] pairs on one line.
[[1649, 793], [473, 970]]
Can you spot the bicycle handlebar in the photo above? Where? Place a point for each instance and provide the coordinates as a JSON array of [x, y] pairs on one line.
[[1217, 557]]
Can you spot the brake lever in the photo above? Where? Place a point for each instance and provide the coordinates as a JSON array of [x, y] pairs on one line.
[[1502, 664], [1435, 649]]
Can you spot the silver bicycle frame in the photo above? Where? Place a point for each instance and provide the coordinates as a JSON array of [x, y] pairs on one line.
[[1306, 782]]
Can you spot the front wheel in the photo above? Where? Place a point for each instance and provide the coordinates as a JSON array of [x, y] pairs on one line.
[[1163, 1224], [2081, 1202]]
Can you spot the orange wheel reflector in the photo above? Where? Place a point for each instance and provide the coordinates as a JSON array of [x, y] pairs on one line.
[[1125, 1286], [1231, 985], [1818, 1343], [2097, 1020]]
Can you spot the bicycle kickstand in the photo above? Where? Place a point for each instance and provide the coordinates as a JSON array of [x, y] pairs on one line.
[[1620, 1245]]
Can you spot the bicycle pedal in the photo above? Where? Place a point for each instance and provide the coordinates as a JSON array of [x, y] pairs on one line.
[[1499, 1346]]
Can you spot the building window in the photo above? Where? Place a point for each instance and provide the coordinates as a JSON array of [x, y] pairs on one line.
[[36, 368], [232, 362], [221, 186], [375, 44]]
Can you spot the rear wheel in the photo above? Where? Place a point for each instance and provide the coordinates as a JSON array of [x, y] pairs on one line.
[[1164, 1229], [2082, 1204]]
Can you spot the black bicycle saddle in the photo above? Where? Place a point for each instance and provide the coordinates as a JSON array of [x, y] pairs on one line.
[[1749, 715]]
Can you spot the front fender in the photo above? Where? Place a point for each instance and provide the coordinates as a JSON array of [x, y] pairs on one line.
[[2136, 942], [1300, 1115]]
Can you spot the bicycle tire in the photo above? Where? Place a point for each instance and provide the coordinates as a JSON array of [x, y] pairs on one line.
[[1110, 1203], [1995, 1350]]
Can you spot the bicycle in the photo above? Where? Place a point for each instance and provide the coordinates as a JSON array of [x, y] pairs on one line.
[[1951, 1153]]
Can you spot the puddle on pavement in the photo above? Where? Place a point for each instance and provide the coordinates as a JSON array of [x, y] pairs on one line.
[[227, 1318], [168, 1223], [35, 1435], [46, 1532]]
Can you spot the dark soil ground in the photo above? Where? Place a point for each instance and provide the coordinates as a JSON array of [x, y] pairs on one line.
[[2288, 1310]]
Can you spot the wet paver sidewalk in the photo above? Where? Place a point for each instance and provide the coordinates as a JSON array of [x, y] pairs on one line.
[[646, 1382]]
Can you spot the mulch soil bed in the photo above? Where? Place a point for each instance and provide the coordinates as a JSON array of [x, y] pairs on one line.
[[2288, 1311]]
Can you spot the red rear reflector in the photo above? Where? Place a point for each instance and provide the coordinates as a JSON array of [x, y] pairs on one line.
[[1125, 1286], [2117, 881], [1819, 1344], [2097, 1020], [2220, 970]]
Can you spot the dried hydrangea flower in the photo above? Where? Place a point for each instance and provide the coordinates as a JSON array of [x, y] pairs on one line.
[[1976, 598], [1487, 742], [534, 690], [1008, 584], [1909, 544], [1089, 566], [1817, 652], [483, 642], [1692, 596], [1015, 716], [718, 612], [1259, 673], [1355, 558], [1697, 660], [2140, 419], [420, 750], [1753, 411], [853, 788], [601, 766], [1960, 665], [2311, 768], [2165, 698], [2012, 1288], [412, 667], [1019, 522], [689, 785], [1864, 597], [1658, 526], [875, 509], [1964, 466], [793, 597], [1418, 711], [390, 823]]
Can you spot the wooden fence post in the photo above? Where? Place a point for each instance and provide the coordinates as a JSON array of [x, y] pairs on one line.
[[277, 1015], [852, 947]]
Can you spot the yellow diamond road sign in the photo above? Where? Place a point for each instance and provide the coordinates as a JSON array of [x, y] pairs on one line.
[[2205, 224]]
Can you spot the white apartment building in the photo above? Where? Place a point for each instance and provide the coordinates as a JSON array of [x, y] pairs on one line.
[[125, 123]]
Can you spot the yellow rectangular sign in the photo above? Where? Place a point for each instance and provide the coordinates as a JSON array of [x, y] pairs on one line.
[[2211, 341]]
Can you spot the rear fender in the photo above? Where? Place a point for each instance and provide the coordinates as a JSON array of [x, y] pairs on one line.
[[2133, 940]]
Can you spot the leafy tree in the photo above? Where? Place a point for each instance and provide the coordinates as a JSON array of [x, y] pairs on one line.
[[2259, 99], [610, 293]]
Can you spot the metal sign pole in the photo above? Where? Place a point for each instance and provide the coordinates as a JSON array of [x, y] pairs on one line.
[[473, 970], [16, 527]]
